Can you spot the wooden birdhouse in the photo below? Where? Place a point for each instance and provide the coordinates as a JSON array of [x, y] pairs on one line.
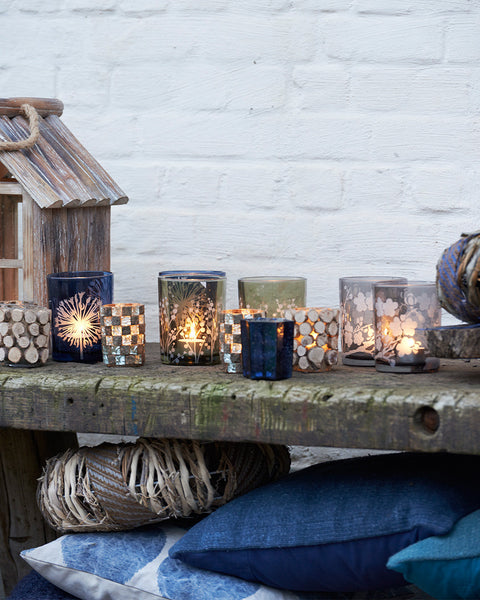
[[55, 200]]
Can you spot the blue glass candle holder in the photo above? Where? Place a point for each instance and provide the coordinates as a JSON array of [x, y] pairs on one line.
[[267, 348], [75, 299]]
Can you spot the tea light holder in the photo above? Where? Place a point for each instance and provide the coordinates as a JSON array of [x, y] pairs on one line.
[[357, 337], [24, 334], [315, 343], [267, 348], [75, 298], [231, 336], [190, 304], [402, 311], [272, 294], [123, 334]]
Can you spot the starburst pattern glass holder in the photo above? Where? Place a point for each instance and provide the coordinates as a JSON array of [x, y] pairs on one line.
[[190, 304], [402, 311], [272, 294], [231, 336], [75, 298], [357, 328], [123, 334]]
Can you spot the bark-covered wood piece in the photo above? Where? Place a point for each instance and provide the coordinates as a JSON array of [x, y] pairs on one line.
[[455, 341]]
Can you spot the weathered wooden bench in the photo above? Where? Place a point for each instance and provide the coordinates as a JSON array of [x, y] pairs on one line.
[[41, 409]]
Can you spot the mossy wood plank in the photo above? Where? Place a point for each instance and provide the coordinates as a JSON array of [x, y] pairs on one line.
[[347, 407]]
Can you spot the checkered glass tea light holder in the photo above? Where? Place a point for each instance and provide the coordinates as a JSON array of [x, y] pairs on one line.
[[357, 337], [190, 304], [231, 336], [402, 311], [123, 334], [315, 343]]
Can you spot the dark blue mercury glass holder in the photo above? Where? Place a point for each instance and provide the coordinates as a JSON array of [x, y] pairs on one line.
[[267, 348], [75, 298]]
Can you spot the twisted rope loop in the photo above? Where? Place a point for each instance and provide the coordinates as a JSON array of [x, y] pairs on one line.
[[32, 116], [458, 278]]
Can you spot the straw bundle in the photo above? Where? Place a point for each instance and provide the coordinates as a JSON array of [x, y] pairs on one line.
[[121, 486]]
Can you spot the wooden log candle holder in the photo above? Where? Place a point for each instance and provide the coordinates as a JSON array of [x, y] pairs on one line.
[[315, 343], [24, 334]]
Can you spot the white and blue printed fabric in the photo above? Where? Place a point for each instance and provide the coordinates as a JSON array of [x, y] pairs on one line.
[[134, 565]]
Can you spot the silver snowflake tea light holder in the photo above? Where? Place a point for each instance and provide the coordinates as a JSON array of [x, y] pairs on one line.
[[190, 305], [357, 332], [402, 313], [75, 298]]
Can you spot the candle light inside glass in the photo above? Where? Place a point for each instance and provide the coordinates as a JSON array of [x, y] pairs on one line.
[[357, 336], [402, 311], [75, 299], [190, 303]]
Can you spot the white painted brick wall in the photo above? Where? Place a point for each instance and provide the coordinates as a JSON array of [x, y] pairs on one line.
[[313, 137]]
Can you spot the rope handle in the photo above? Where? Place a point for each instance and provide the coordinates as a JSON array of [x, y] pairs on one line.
[[32, 116]]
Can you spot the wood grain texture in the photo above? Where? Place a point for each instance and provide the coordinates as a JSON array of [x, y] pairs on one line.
[[8, 246], [57, 171], [346, 407], [22, 455], [11, 107]]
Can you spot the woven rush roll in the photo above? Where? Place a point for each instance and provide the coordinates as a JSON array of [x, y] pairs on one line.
[[458, 285], [120, 486]]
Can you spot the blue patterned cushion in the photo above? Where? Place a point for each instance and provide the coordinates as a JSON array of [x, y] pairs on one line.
[[333, 526], [446, 566], [134, 565]]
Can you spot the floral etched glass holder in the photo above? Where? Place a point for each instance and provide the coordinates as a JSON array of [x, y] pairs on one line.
[[402, 311], [272, 294], [357, 337], [190, 304], [75, 299]]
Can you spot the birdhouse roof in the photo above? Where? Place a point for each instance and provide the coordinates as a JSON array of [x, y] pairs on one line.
[[57, 171]]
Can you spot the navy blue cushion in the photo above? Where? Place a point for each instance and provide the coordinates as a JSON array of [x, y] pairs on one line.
[[333, 526], [34, 587]]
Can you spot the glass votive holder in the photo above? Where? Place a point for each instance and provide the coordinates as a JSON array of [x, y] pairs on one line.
[[231, 336], [75, 298], [24, 334], [123, 334], [267, 348], [315, 342], [402, 310], [357, 337], [190, 303], [272, 294]]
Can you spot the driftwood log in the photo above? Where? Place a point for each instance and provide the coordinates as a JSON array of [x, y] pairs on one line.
[[455, 341]]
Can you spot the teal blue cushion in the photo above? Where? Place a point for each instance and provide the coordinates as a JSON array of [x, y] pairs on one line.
[[446, 566], [333, 526]]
